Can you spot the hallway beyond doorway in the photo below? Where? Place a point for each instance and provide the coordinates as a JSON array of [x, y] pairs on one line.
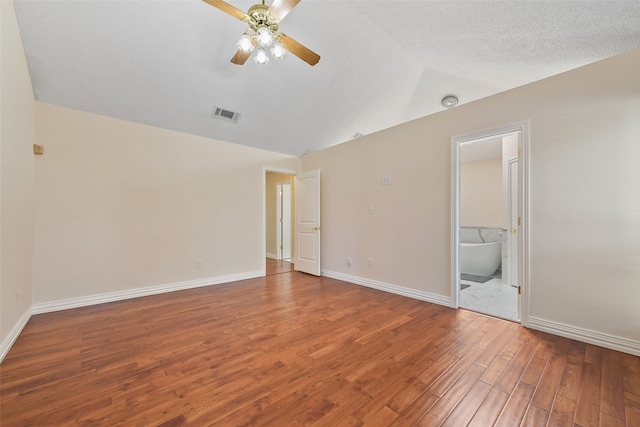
[[275, 266]]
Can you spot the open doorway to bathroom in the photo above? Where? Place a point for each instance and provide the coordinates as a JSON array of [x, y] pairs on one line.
[[487, 232]]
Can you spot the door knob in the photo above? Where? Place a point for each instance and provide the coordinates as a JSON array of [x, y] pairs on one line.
[[316, 228], [513, 230]]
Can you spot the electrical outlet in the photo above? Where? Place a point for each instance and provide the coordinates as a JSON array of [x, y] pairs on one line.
[[370, 261], [370, 210], [349, 261], [198, 263]]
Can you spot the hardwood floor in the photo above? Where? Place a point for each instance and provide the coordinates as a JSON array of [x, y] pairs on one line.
[[292, 349], [278, 266]]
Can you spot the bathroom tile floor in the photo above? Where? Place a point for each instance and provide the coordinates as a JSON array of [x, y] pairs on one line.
[[492, 297]]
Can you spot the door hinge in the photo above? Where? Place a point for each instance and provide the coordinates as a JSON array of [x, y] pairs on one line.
[[519, 152], [519, 221], [519, 289]]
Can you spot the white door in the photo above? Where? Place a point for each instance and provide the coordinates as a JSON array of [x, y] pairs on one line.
[[286, 221], [512, 239], [307, 223]]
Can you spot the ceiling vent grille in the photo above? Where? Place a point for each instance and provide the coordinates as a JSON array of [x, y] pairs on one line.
[[221, 113]]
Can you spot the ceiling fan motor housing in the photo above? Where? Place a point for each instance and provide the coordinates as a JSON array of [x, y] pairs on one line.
[[259, 17]]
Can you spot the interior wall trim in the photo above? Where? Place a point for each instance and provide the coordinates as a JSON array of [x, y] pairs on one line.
[[585, 335], [65, 304], [387, 287], [7, 343], [524, 253]]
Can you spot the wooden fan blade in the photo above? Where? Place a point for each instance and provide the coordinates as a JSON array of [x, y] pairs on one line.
[[280, 8], [307, 55], [240, 57], [227, 8]]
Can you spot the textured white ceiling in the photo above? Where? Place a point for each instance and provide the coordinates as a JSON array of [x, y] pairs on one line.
[[166, 63]]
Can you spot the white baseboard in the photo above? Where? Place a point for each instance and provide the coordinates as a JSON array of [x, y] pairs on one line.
[[272, 256], [387, 287], [65, 304], [585, 335], [7, 343]]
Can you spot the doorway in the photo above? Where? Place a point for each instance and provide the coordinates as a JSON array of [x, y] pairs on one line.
[[278, 205], [489, 256], [291, 221]]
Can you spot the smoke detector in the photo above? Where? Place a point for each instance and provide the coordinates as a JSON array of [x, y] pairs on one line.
[[449, 101]]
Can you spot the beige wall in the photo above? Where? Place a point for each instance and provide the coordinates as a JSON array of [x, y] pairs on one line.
[[121, 205], [17, 136], [271, 196], [585, 181], [481, 193]]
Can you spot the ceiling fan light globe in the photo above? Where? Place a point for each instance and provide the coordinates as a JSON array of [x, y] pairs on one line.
[[262, 57], [278, 50], [264, 36], [245, 44]]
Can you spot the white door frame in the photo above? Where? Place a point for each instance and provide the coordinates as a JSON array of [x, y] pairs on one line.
[[523, 179], [264, 210]]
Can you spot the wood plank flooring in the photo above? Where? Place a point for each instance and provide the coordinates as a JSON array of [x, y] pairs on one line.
[[292, 349], [278, 266]]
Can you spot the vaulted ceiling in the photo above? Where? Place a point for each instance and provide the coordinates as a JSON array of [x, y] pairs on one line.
[[167, 63]]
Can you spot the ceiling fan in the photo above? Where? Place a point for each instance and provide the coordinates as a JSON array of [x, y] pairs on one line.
[[263, 32]]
